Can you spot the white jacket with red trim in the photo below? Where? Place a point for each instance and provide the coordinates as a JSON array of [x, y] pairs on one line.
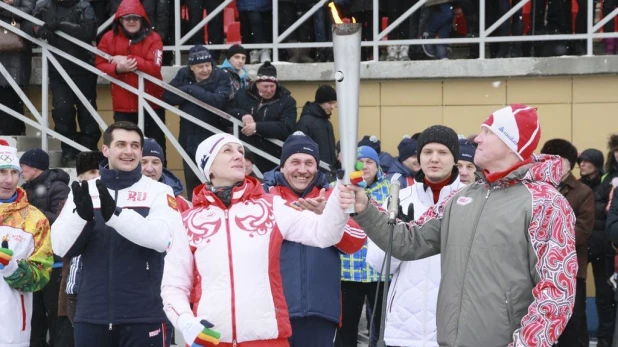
[[413, 293], [236, 253]]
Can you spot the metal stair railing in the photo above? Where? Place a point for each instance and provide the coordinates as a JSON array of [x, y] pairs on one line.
[[139, 91]]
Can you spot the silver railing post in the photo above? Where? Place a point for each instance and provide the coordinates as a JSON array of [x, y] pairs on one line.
[[589, 32], [177, 22], [482, 25], [44, 99], [140, 102], [376, 30], [275, 56]]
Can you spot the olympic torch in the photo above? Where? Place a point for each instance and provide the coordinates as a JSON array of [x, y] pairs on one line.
[[347, 49]]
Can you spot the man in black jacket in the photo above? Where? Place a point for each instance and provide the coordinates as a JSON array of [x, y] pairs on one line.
[[46, 190], [121, 224], [600, 252], [268, 111], [203, 80], [75, 18], [315, 122]]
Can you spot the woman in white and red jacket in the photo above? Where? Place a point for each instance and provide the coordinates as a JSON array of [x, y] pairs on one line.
[[232, 240]]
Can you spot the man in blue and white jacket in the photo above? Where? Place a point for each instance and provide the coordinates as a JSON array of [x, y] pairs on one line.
[[121, 225], [413, 294]]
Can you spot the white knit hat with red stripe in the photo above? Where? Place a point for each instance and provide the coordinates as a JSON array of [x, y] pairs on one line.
[[8, 156], [518, 126], [207, 151]]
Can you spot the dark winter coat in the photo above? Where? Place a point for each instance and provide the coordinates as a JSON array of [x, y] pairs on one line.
[[275, 118], [581, 199], [254, 5], [598, 244], [157, 11], [407, 176], [146, 47], [214, 91], [77, 19], [18, 64], [386, 161], [315, 123], [237, 81], [48, 192]]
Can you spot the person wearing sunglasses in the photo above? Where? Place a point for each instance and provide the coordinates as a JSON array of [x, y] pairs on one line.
[[133, 47]]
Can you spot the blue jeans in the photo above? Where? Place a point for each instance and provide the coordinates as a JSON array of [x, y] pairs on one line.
[[440, 23]]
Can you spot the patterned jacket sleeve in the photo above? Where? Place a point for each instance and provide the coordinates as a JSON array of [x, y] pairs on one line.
[[32, 274], [552, 237]]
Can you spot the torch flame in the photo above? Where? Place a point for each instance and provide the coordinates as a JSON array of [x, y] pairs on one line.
[[333, 10]]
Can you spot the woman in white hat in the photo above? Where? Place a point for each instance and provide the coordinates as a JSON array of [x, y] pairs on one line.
[[232, 243]]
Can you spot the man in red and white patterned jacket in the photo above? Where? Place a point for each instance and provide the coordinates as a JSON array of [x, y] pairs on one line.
[[507, 243]]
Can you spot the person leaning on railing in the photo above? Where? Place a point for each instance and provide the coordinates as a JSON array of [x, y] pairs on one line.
[[77, 19], [133, 47], [268, 111], [203, 80]]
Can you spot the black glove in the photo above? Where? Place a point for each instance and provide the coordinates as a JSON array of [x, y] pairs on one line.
[[52, 25], [403, 216], [44, 33], [82, 200], [108, 204]]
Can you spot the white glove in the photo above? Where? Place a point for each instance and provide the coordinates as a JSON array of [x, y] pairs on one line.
[[190, 327], [9, 269]]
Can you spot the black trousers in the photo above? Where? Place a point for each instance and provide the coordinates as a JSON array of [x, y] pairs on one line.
[[602, 269], [353, 298], [576, 332], [10, 125], [66, 106], [45, 312], [64, 333], [608, 7], [395, 9], [288, 14], [125, 335], [312, 331], [515, 27], [215, 25], [151, 129], [256, 26]]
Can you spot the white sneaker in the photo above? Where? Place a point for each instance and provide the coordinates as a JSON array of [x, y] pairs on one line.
[[404, 53], [265, 55], [392, 53], [254, 57]]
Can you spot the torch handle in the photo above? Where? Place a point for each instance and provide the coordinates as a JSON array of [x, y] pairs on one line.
[[350, 210]]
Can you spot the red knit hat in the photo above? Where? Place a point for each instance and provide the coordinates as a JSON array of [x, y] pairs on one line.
[[518, 126]]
